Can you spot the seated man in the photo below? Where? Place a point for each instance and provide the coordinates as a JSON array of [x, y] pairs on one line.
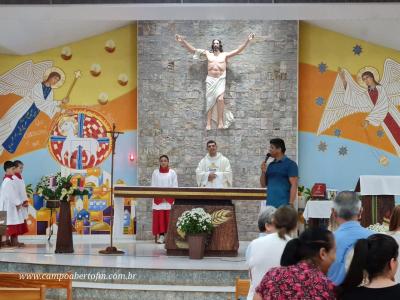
[[347, 212]]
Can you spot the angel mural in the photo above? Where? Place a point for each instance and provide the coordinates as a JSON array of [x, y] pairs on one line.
[[368, 95], [34, 82]]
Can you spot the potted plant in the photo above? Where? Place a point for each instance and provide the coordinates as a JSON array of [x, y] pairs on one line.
[[196, 224], [61, 195]]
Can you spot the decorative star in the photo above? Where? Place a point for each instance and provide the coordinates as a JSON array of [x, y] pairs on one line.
[[337, 132], [322, 146], [357, 49], [380, 133], [319, 101], [322, 67], [78, 74], [343, 151]]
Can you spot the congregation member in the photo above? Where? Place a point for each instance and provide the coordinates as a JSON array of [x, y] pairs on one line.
[[265, 226], [394, 231], [304, 264], [164, 176], [266, 251], [11, 202], [347, 213], [214, 170], [372, 270], [280, 176]]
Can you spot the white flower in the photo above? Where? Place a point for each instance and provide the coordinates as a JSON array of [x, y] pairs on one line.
[[381, 228]]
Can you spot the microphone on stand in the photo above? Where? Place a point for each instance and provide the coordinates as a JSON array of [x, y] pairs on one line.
[[267, 157]]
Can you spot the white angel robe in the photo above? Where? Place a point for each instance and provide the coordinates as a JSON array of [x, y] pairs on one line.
[[219, 165], [21, 190], [9, 199], [380, 103], [382, 111], [22, 114], [159, 179]]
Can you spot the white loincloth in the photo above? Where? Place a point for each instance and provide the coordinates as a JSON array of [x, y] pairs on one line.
[[215, 87]]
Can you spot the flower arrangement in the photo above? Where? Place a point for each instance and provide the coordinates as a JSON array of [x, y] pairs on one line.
[[380, 228], [44, 182], [61, 191], [195, 221]]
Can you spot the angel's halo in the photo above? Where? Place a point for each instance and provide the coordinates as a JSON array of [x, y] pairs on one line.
[[367, 69], [59, 71]]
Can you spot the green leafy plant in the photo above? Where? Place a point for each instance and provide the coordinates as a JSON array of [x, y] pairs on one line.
[[303, 191], [195, 221], [29, 190], [307, 194], [300, 190]]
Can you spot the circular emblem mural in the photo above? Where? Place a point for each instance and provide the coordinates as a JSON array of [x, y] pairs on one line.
[[79, 140]]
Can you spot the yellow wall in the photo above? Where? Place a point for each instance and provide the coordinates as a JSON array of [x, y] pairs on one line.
[[122, 104], [85, 53]]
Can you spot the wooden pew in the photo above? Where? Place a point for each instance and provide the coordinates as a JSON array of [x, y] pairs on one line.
[[242, 288], [23, 293], [49, 280]]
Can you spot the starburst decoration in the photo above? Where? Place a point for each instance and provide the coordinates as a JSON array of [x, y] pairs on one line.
[[319, 101], [322, 146], [337, 132], [383, 160], [357, 49], [322, 67], [343, 151], [380, 133]]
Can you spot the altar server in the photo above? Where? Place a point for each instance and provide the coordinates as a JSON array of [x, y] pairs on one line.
[[21, 188], [162, 177], [10, 202]]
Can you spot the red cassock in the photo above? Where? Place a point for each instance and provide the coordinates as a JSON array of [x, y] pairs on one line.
[[389, 120]]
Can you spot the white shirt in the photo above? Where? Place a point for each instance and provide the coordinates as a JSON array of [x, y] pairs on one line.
[[265, 254], [158, 179], [396, 236]]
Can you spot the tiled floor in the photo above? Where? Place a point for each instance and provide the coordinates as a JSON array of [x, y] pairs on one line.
[[138, 254]]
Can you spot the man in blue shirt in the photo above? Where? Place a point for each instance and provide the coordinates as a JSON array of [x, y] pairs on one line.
[[280, 176], [347, 211]]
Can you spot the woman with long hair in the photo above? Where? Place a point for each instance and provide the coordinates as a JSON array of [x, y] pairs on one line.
[[162, 177], [372, 270], [394, 231], [304, 264]]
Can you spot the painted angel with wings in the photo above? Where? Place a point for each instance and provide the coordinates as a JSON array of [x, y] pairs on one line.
[[377, 98], [34, 82]]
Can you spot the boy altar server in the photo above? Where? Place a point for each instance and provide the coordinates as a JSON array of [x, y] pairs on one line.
[[10, 201]]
